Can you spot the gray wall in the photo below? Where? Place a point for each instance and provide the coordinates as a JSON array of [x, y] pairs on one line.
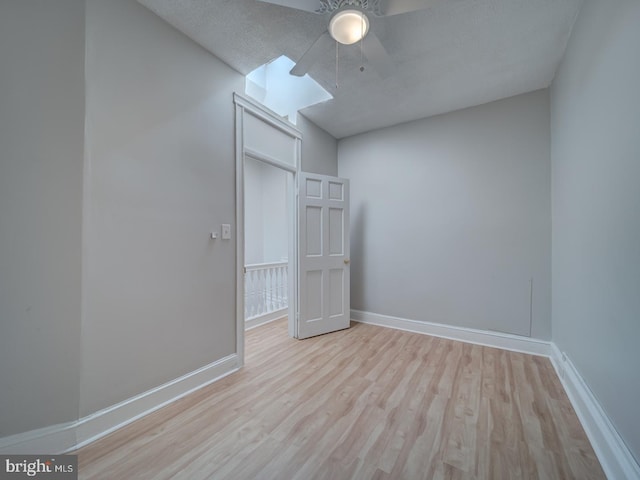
[[275, 218], [159, 294], [450, 217], [110, 284], [595, 120], [253, 236], [41, 139], [265, 213], [319, 149]]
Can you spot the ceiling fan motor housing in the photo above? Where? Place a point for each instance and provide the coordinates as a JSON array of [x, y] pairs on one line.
[[373, 7]]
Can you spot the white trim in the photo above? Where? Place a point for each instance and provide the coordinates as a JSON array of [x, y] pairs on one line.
[[261, 266], [70, 436], [263, 157], [267, 318], [505, 341], [246, 105], [239, 111], [105, 421], [266, 115], [292, 227], [54, 439], [615, 457]]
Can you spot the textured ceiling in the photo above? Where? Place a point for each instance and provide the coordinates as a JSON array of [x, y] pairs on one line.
[[452, 55]]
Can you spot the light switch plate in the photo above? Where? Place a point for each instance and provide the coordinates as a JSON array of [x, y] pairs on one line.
[[226, 231]]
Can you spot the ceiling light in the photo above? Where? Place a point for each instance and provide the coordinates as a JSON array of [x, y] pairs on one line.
[[349, 26]]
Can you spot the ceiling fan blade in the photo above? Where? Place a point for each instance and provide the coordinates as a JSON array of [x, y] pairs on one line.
[[306, 5], [312, 55], [396, 7], [377, 55]]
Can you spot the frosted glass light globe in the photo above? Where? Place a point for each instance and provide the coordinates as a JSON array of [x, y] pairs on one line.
[[349, 26]]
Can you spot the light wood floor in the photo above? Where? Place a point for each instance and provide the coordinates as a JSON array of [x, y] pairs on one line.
[[367, 402]]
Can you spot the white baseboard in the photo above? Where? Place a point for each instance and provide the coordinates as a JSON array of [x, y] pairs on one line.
[[615, 457], [263, 319], [48, 440], [103, 422], [70, 436], [486, 338]]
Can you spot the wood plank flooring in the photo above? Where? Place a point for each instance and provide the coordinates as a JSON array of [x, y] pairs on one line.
[[366, 403]]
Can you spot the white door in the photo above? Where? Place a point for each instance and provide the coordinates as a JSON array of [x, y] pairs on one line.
[[323, 249]]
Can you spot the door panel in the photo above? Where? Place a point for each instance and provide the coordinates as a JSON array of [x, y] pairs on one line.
[[313, 294], [336, 231], [314, 231], [336, 290], [323, 206]]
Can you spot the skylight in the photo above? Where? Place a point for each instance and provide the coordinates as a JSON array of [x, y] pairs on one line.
[[273, 86]]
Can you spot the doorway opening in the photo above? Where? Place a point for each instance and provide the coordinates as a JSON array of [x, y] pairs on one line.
[[317, 225], [267, 242], [264, 137]]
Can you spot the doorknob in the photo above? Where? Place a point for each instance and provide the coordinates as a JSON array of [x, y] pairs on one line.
[[346, 261]]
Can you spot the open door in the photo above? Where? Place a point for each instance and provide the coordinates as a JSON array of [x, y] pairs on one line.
[[323, 249]]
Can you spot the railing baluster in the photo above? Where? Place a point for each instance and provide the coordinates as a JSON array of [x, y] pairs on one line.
[[265, 289], [259, 292], [276, 272], [256, 293], [252, 311], [246, 294], [285, 284], [279, 292], [267, 275], [272, 282]]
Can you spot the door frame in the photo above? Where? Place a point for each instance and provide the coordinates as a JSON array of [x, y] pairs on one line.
[[245, 106]]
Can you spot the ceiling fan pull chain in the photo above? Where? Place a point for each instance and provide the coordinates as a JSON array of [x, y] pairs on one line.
[[336, 65], [361, 41]]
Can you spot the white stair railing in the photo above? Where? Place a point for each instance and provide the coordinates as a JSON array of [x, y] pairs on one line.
[[265, 289]]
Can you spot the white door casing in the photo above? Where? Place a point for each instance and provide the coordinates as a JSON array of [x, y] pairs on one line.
[[323, 255], [262, 135]]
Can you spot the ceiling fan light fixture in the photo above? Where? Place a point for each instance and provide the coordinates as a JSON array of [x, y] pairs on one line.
[[348, 26]]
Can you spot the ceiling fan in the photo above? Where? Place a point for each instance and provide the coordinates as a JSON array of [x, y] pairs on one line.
[[349, 23]]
